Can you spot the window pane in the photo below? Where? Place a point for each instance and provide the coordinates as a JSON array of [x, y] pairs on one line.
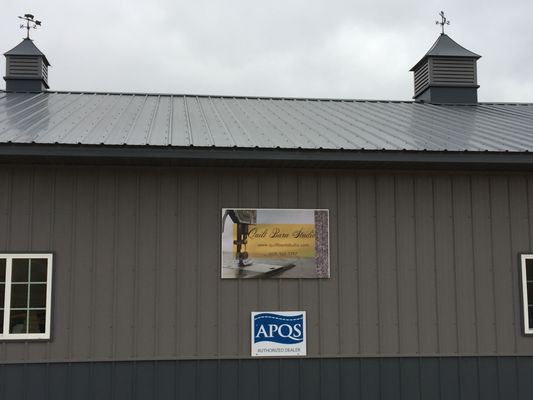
[[38, 269], [530, 293], [37, 321], [19, 296], [529, 269], [17, 322], [1, 321], [2, 295], [20, 270], [37, 295], [2, 269]]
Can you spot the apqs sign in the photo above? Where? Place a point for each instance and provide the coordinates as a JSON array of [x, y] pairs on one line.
[[278, 334]]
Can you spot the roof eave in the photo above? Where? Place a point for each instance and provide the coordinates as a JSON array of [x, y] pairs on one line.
[[103, 154]]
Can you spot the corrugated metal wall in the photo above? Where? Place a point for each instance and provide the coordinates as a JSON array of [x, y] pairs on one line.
[[421, 263], [449, 378]]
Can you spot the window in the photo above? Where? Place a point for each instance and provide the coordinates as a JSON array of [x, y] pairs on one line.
[[527, 291], [25, 296]]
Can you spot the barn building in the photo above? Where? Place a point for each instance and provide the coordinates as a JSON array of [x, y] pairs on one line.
[[110, 240]]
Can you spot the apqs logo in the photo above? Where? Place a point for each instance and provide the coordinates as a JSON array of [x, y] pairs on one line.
[[269, 327]]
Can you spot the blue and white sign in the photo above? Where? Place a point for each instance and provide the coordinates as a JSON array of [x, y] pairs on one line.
[[278, 334]]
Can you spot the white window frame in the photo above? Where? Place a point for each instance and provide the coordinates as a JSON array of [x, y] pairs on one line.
[[525, 311], [9, 257]]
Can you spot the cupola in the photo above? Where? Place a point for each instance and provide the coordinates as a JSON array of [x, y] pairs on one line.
[[26, 65], [447, 73]]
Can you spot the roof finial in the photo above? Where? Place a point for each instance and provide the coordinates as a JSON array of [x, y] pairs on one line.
[[443, 22], [29, 20]]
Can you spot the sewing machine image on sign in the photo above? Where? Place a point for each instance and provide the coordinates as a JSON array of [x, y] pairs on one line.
[[244, 221]]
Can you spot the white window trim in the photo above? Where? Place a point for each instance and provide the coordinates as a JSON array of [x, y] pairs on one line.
[[525, 311], [7, 297]]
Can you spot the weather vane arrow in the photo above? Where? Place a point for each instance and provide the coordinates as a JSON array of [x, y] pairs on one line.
[[444, 21], [30, 23]]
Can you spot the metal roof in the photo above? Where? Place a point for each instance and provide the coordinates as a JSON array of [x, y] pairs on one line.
[[262, 123], [26, 48], [445, 46]]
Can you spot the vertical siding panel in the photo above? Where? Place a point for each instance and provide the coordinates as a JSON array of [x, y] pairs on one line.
[[310, 295], [105, 219], [249, 385], [444, 251], [5, 217], [15, 381], [387, 267], [430, 381], [367, 286], [123, 380], [42, 206], [268, 198], [410, 378], [406, 259], [390, 381], [524, 381], [507, 378], [488, 378], [270, 377], [79, 381], [19, 240], [166, 304], [62, 238], [208, 263], [465, 283], [125, 266], [329, 288], [21, 199], [5, 206], [188, 265], [370, 379], [36, 381], [425, 265], [483, 266], [248, 288], [57, 376], [146, 244], [347, 265], [83, 264], [229, 379], [330, 387], [468, 378], [518, 207], [228, 298], [42, 201], [503, 274], [449, 374], [310, 379], [289, 378]]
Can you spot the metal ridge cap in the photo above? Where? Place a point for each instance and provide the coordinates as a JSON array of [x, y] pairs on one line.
[[244, 97]]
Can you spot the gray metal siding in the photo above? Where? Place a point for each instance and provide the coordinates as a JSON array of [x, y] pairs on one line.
[[450, 378], [421, 263]]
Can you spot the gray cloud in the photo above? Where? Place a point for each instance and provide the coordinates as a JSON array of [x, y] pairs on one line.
[[313, 48]]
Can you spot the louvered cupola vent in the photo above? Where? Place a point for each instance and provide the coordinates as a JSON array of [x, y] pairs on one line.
[[446, 74], [26, 68]]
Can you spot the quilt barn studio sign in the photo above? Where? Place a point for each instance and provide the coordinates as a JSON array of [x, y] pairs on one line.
[[275, 243]]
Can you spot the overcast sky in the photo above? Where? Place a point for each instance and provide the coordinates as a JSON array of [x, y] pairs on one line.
[[289, 48]]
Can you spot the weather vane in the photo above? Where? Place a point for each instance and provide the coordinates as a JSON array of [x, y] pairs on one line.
[[443, 22], [30, 23]]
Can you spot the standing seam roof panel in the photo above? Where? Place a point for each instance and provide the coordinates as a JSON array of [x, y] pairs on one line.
[[161, 120]]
